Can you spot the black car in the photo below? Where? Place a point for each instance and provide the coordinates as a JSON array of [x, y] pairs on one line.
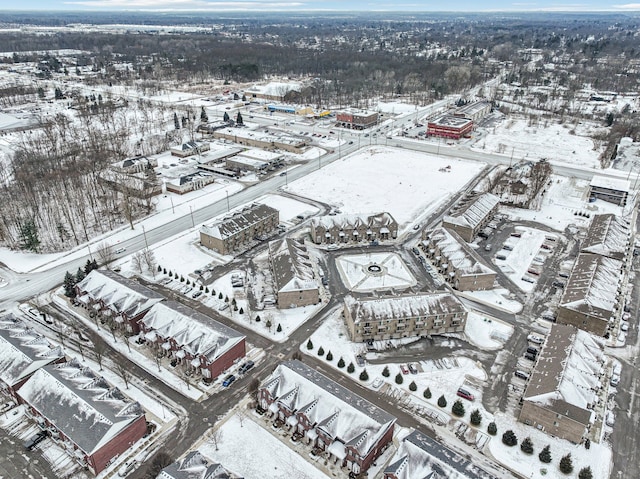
[[245, 367], [35, 440], [530, 357]]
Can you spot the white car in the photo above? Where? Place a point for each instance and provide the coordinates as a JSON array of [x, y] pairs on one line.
[[611, 419], [377, 383], [332, 247], [120, 250], [535, 339], [624, 326]]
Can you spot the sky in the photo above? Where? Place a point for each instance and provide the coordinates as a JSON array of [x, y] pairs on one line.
[[358, 5]]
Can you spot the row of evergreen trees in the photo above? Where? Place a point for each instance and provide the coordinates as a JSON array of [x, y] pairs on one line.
[[70, 280]]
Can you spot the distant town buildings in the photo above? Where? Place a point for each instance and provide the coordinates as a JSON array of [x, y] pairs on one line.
[[471, 214], [190, 148], [273, 91], [348, 428], [405, 316], [449, 126], [357, 119], [293, 273], [234, 232], [353, 228], [563, 389]]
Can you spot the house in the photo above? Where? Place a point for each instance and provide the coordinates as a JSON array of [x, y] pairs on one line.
[[234, 232], [135, 165], [190, 182], [22, 352], [612, 190], [195, 342], [459, 264], [88, 417], [471, 214], [608, 235], [565, 384], [353, 228], [404, 316], [293, 273], [449, 126], [190, 148], [195, 466], [346, 428], [592, 294], [422, 457], [114, 298], [357, 119]]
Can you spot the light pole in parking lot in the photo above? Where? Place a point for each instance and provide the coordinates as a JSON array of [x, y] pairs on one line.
[[228, 208]]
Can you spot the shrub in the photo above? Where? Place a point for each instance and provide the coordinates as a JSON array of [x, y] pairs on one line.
[[399, 379], [566, 464], [509, 438], [309, 343], [587, 444], [206, 290], [320, 351], [442, 402], [476, 417], [363, 375], [340, 363], [545, 454], [220, 296], [351, 368], [413, 386], [427, 393], [278, 329], [385, 372], [492, 428], [329, 356], [527, 446], [585, 473], [170, 274], [164, 270], [242, 312], [182, 279], [458, 408]]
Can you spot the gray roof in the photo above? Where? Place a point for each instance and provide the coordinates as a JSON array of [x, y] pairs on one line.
[[406, 306], [292, 265], [473, 210], [80, 403], [195, 466], [239, 221], [608, 235], [421, 457], [352, 221], [22, 350], [458, 253]]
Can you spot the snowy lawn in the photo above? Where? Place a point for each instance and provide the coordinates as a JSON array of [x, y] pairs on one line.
[[407, 184], [494, 297], [374, 271], [288, 208], [249, 450], [486, 332]]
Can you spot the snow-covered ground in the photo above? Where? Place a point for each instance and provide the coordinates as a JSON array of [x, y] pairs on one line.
[[565, 143], [249, 450], [486, 332], [374, 271], [288, 208], [407, 184], [498, 298]]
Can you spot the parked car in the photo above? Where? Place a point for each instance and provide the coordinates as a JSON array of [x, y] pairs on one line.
[[245, 367], [535, 339], [228, 380], [413, 368], [532, 350], [488, 247], [610, 420], [558, 284], [501, 256], [332, 247], [404, 369], [614, 381], [529, 356], [377, 383], [35, 440], [507, 247], [521, 375], [197, 294], [516, 235], [360, 360], [463, 393], [624, 326]]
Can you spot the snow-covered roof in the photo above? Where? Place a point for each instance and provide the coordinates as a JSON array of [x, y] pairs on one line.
[[457, 253], [279, 89], [354, 221], [291, 265], [22, 350], [239, 221], [119, 293], [608, 235], [80, 403], [259, 136], [407, 306], [337, 411], [421, 457], [195, 333], [566, 376], [608, 183], [474, 210], [593, 285], [195, 466]]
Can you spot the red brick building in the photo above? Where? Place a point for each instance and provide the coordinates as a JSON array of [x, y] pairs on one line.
[[449, 126], [88, 417], [347, 429], [357, 119]]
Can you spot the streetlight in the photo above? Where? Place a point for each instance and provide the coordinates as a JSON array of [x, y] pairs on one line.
[[193, 223], [144, 234], [228, 208]]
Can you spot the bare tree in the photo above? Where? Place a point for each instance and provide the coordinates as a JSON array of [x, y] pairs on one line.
[[124, 373], [159, 462], [242, 416], [105, 253], [137, 261], [215, 438], [99, 351], [149, 260]]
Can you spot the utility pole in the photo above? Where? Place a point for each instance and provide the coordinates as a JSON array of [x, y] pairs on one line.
[[144, 234], [193, 223], [228, 208]]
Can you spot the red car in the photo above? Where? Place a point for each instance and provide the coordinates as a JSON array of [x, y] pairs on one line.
[[463, 393], [404, 369]]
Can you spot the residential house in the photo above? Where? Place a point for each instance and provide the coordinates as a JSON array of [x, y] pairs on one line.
[[471, 214], [608, 235], [346, 428], [293, 273], [190, 148], [353, 228], [195, 466], [404, 316]]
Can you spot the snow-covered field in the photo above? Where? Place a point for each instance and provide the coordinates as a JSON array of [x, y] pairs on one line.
[[389, 271], [288, 208], [551, 140], [407, 184], [486, 332]]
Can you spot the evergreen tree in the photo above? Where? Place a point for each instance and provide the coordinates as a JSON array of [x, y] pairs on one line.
[[385, 372], [225, 117], [545, 454], [220, 295], [587, 443], [69, 285], [399, 379], [585, 473], [329, 356], [236, 96], [320, 351], [427, 393], [29, 238], [309, 345], [58, 94], [239, 119], [509, 438], [492, 428], [244, 98], [566, 464], [94, 264], [458, 408], [176, 122], [242, 312], [413, 386], [88, 267], [442, 401], [527, 446], [476, 417], [79, 275], [340, 363], [351, 368], [204, 118], [279, 328], [363, 375], [40, 93]]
